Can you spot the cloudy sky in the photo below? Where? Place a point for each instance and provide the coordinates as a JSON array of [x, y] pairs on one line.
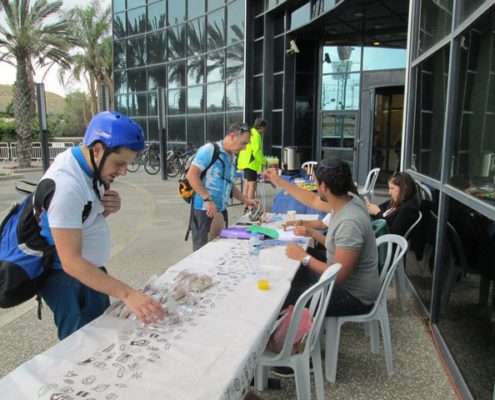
[[7, 73]]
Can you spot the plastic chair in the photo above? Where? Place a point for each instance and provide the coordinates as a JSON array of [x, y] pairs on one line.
[[309, 168], [424, 191], [396, 248], [369, 185], [318, 297]]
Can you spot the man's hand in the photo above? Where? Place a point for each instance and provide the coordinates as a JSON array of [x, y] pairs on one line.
[[373, 209], [297, 222], [211, 208], [271, 175], [303, 231], [111, 202], [251, 202], [295, 252], [146, 309]]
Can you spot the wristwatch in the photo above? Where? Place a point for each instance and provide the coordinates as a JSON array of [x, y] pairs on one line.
[[305, 260], [207, 199]]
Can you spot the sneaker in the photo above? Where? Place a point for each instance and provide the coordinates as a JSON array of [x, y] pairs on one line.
[[283, 372]]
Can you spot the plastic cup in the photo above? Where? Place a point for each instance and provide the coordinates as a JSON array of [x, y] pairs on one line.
[[291, 215], [263, 284]]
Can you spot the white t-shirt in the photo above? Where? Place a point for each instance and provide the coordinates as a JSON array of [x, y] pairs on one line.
[[73, 191], [326, 219]]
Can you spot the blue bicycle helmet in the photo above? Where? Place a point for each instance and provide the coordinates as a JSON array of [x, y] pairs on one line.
[[114, 129]]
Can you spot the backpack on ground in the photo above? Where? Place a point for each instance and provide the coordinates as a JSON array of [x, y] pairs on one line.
[[185, 189]]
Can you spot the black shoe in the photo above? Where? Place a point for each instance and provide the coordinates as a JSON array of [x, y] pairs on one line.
[[283, 372]]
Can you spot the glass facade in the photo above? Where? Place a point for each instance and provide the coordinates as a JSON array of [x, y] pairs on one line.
[[194, 49]]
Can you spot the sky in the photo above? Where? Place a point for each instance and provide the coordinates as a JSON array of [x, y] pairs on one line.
[[7, 73]]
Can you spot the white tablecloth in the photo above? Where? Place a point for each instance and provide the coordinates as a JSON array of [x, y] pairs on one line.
[[210, 354]]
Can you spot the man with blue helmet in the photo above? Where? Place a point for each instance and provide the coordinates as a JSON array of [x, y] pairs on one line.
[[77, 198]]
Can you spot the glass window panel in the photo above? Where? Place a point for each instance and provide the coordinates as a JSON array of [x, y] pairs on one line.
[[136, 21], [232, 118], [340, 92], [473, 157], [216, 29], [235, 21], [195, 8], [341, 59], [215, 66], [257, 93], [213, 4], [157, 46], [278, 54], [136, 52], [468, 6], [119, 25], [135, 3], [120, 81], [435, 23], [195, 70], [377, 58], [336, 127], [196, 36], [121, 104], [176, 129], [176, 101], [176, 42], [157, 77], [276, 129], [215, 97], [431, 92], [156, 16], [303, 122], [137, 80], [278, 91], [195, 99], [196, 130], [300, 16], [214, 127], [235, 61], [153, 133], [258, 57], [119, 56], [118, 5], [279, 24], [137, 104], [176, 12], [177, 75], [152, 104], [259, 27], [235, 95], [259, 7]]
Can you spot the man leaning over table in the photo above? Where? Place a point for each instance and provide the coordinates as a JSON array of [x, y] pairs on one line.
[[78, 199], [350, 240], [213, 192]]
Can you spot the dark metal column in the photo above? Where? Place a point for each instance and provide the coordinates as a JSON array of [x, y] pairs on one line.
[[162, 131], [40, 94]]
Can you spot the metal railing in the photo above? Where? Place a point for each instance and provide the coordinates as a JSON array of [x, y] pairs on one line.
[[8, 152]]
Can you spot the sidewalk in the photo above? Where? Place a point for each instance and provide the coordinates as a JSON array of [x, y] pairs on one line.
[[148, 237]]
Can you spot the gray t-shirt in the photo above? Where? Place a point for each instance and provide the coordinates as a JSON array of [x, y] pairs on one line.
[[350, 228]]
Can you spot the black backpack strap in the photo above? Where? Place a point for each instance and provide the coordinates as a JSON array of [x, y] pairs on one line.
[[214, 158]]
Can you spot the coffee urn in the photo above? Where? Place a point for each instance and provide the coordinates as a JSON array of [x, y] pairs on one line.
[[291, 160]]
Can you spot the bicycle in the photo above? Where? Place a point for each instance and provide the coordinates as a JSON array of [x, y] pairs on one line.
[[149, 158], [178, 163]]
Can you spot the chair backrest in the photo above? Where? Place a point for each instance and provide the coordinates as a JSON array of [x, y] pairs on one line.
[[424, 191], [309, 168], [316, 298], [369, 185], [396, 247], [411, 228], [380, 228]]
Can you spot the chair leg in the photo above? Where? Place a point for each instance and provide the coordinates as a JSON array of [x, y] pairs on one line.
[[332, 333], [261, 377], [374, 337], [302, 377], [366, 328], [318, 372], [387, 342], [400, 285]]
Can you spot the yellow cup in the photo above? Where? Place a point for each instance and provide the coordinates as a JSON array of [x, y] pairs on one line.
[[263, 284]]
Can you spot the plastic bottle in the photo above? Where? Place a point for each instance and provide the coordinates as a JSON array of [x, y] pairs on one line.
[[254, 253]]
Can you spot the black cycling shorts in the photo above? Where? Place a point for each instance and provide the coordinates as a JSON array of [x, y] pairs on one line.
[[250, 175]]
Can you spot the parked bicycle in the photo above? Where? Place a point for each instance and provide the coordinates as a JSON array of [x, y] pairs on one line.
[[177, 164], [149, 158]]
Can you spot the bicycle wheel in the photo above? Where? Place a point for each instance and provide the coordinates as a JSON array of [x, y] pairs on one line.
[[134, 166], [152, 163], [173, 168]]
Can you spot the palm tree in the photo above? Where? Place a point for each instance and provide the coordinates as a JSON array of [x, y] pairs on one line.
[[28, 41], [93, 62]]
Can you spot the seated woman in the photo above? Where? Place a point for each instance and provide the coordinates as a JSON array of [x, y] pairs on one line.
[[401, 210], [350, 240]]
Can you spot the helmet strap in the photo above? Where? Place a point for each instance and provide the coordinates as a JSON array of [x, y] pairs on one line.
[[97, 170]]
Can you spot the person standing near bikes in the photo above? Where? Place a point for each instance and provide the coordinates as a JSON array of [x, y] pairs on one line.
[[77, 201], [251, 159], [213, 191]]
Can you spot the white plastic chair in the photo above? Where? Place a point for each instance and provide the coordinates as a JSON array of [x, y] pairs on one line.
[[424, 191], [396, 248], [400, 275], [309, 168], [317, 296], [369, 185]]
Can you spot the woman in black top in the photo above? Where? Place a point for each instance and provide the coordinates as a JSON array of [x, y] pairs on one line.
[[401, 210]]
